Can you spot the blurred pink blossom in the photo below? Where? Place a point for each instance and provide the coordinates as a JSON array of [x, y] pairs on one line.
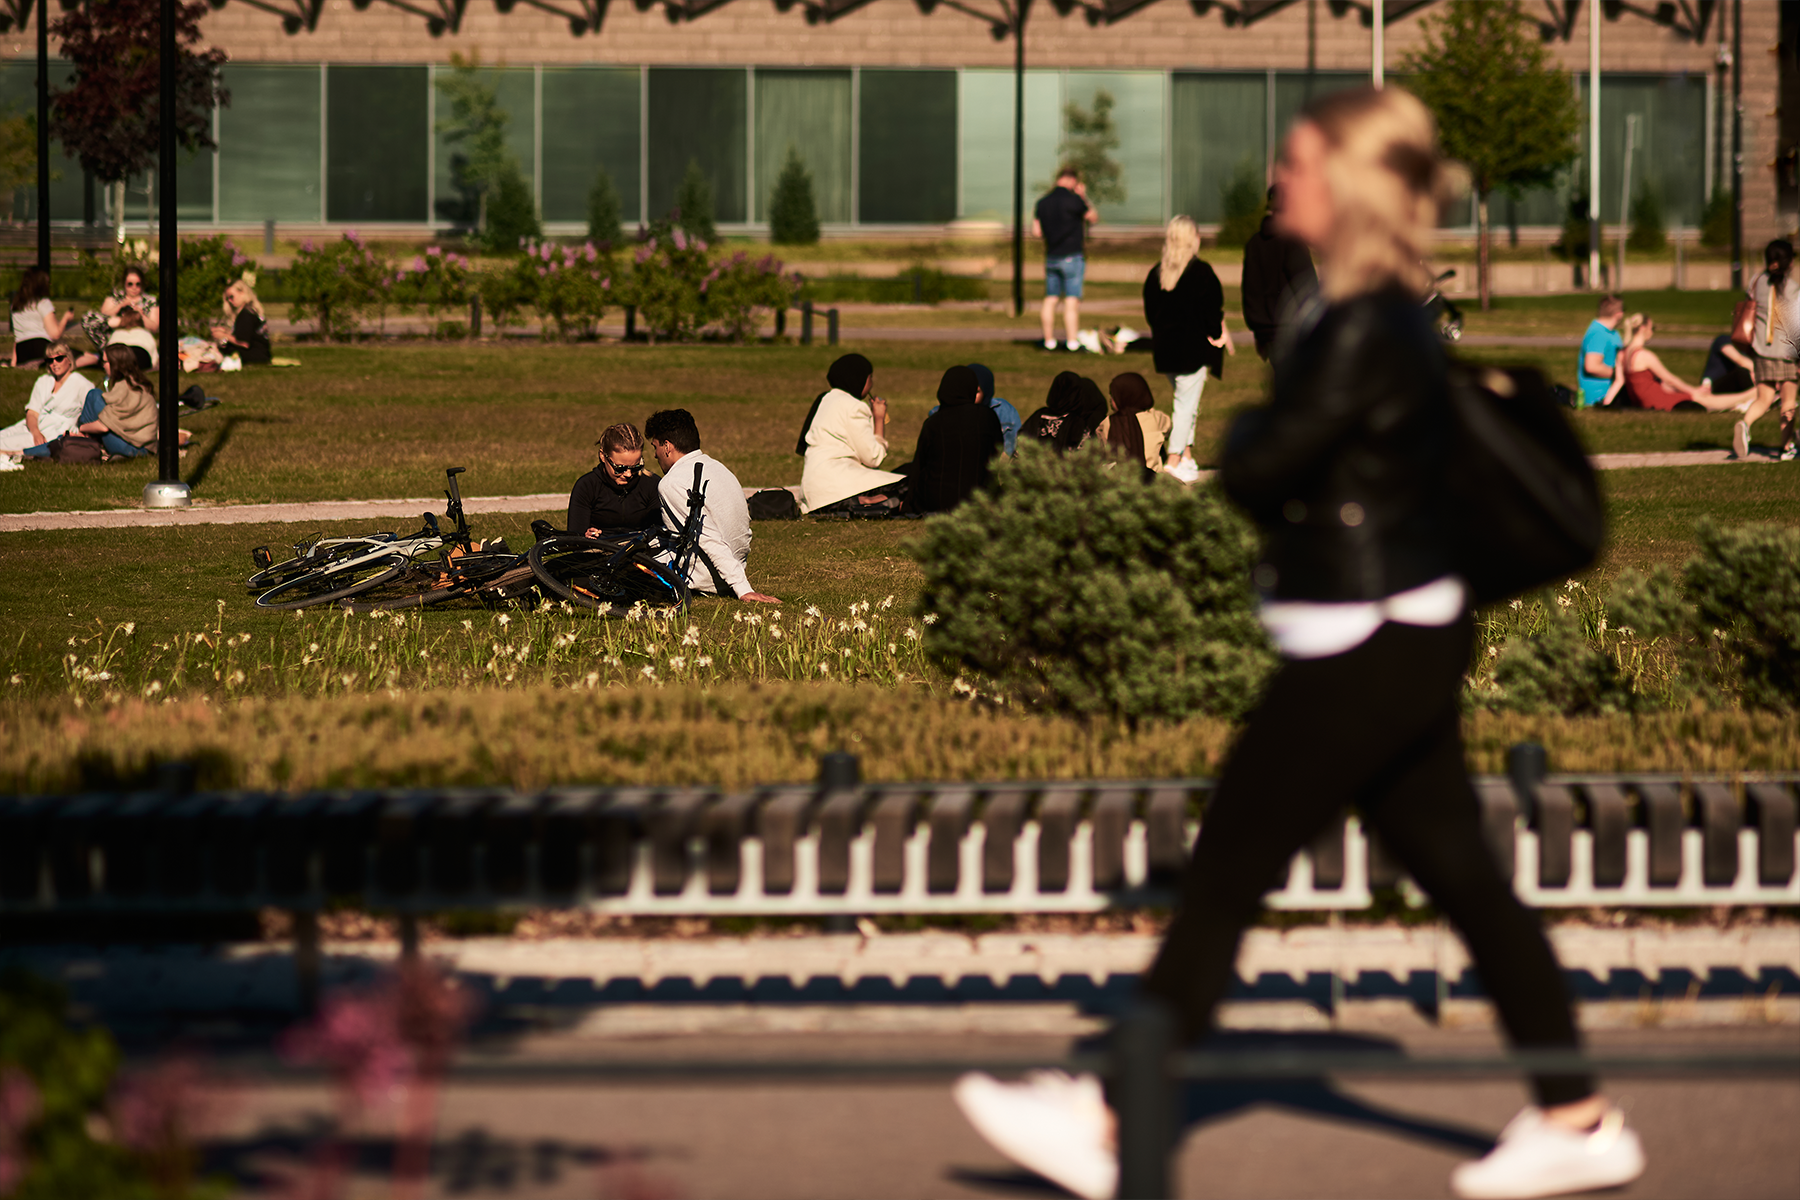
[[419, 262], [680, 239], [19, 1106], [433, 251]]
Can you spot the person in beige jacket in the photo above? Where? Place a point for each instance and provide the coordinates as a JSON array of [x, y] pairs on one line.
[[125, 418], [846, 440]]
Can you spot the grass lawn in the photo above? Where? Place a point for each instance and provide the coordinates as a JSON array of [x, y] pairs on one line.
[[382, 420]]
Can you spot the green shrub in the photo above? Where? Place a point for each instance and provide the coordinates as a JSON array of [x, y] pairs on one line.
[[1242, 198], [574, 288], [1647, 231], [1715, 222], [1744, 585], [507, 288], [338, 286], [694, 204], [736, 287], [1559, 669], [666, 273], [206, 267], [919, 284], [605, 215], [793, 217], [512, 216], [439, 279], [1070, 585]]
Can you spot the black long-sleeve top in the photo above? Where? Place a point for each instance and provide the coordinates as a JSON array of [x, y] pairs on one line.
[[1277, 269], [597, 503], [250, 337], [956, 446], [1182, 320]]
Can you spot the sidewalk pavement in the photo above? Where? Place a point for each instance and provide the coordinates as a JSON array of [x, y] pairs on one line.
[[212, 513]]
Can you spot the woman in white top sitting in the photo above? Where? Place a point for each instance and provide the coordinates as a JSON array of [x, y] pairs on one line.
[[55, 403], [34, 321], [845, 440], [132, 332]]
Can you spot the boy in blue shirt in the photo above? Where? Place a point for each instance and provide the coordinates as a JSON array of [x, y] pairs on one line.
[[1600, 347], [1009, 416]]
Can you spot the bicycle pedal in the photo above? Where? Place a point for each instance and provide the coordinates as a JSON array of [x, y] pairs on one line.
[[261, 556]]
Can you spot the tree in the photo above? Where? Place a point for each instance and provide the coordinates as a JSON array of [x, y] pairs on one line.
[[110, 116], [1087, 141], [605, 219], [18, 157], [1647, 229], [1243, 198], [1503, 108], [793, 217], [477, 128], [512, 213], [694, 204]]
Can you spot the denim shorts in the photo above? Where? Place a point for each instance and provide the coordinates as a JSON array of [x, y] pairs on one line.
[[1062, 276]]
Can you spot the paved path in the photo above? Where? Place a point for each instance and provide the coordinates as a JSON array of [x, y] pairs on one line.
[[211, 513]]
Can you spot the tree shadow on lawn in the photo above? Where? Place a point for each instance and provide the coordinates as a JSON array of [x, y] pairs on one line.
[[219, 441]]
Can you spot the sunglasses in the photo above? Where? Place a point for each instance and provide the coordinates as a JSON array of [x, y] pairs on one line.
[[56, 358], [627, 472]]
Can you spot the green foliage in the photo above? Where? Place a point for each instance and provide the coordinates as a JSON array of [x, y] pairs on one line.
[[1574, 243], [1070, 585], [512, 218], [1715, 222], [693, 213], [439, 279], [1560, 670], [18, 156], [918, 284], [605, 214], [736, 287], [206, 267], [679, 289], [1745, 588], [793, 217], [339, 285], [1089, 138], [574, 288], [1647, 231], [507, 288], [1244, 197], [476, 131]]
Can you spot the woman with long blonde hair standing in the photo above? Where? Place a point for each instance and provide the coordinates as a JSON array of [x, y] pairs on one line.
[[1185, 306], [1344, 470]]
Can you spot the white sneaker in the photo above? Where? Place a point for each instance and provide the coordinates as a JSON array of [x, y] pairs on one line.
[[1537, 1157], [1740, 440], [1186, 470], [1049, 343], [1052, 1123]]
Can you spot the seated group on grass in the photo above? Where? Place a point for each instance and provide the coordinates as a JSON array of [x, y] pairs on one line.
[[618, 496], [1617, 369], [63, 404]]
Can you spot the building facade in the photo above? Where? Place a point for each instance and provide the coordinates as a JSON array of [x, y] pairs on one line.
[[902, 110]]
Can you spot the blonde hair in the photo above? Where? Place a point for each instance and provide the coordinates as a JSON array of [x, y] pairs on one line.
[[1387, 183], [1180, 243], [1630, 325], [253, 304], [620, 437]]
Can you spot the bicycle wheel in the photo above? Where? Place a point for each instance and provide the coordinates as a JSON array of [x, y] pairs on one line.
[[319, 554], [428, 584], [607, 578], [322, 587]]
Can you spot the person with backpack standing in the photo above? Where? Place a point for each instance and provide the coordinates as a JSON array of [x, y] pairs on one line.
[[1346, 472], [1774, 347]]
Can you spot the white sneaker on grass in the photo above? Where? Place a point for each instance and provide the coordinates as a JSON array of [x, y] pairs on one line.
[[1740, 440], [1051, 1122], [1538, 1157], [1186, 470]]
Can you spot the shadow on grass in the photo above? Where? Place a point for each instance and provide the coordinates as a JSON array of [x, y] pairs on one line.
[[201, 468]]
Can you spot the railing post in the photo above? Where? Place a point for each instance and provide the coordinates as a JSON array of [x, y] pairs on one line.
[[630, 322], [831, 328], [409, 936], [474, 316], [306, 959], [1144, 1098], [806, 314], [781, 322], [839, 771], [269, 236], [1526, 766]]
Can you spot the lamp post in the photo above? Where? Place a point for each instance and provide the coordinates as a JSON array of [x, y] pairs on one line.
[[167, 491], [43, 133], [1594, 144], [1019, 9]]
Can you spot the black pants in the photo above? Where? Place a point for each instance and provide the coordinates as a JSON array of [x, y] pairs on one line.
[[1377, 727]]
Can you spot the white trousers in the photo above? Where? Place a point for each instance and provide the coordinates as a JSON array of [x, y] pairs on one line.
[[1187, 409]]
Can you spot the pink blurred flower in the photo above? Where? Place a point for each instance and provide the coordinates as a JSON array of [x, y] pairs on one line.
[[19, 1107], [307, 246], [356, 1037], [351, 237], [433, 251], [591, 253], [238, 260], [419, 263], [680, 239], [607, 282], [700, 245]]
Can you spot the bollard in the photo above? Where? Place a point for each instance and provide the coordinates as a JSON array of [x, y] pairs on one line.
[[631, 322], [831, 326], [781, 322], [474, 316], [806, 314], [1144, 1097], [269, 236], [1526, 766], [409, 937], [839, 771], [176, 778], [306, 960], [918, 277]]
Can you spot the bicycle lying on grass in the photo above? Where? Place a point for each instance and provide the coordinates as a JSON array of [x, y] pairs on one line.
[[383, 572]]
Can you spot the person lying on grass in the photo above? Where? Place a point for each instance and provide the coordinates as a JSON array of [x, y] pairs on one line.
[[618, 495], [719, 566]]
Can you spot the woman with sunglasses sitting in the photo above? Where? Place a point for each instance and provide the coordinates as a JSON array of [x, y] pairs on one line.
[[124, 417], [55, 404], [617, 496]]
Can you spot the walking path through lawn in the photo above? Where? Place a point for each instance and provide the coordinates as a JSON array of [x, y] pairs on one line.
[[205, 512]]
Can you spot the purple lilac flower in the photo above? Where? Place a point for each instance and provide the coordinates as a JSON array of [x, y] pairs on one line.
[[700, 245], [680, 239], [433, 251], [307, 246], [591, 253], [419, 263]]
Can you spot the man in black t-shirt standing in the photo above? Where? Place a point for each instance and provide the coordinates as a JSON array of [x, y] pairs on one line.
[[1061, 219]]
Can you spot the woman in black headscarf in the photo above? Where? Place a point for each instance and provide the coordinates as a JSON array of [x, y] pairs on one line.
[[956, 446], [1072, 412], [844, 441], [1136, 428]]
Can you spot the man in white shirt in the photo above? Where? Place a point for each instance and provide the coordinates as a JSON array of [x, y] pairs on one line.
[[718, 568]]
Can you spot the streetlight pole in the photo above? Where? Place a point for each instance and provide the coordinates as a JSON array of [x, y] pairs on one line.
[[167, 491], [1737, 145], [1594, 144], [43, 133], [1020, 8]]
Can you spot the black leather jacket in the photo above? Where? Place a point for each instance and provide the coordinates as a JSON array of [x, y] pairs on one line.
[[1344, 468]]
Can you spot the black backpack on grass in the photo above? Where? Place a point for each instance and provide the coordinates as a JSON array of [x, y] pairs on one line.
[[1529, 509]]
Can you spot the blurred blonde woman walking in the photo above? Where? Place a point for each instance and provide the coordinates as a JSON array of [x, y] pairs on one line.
[[1185, 306], [1344, 470]]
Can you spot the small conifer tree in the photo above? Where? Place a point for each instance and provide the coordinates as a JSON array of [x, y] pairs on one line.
[[511, 212], [1242, 197], [694, 203], [793, 217], [1715, 222], [604, 216], [1647, 232]]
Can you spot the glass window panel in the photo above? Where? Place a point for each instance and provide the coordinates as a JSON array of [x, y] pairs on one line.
[[1138, 120], [193, 193], [377, 135], [514, 89], [1670, 148], [908, 147], [698, 115], [590, 122], [269, 144], [810, 111], [986, 116], [1219, 126], [18, 98], [1294, 90]]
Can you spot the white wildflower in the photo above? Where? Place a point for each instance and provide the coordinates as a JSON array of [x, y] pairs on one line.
[[592, 678], [16, 680], [1602, 624], [424, 654], [1518, 604], [647, 672], [861, 626], [691, 637], [930, 618], [152, 688], [1493, 651], [705, 660], [912, 633], [753, 620], [652, 648], [812, 610], [612, 660], [887, 602], [236, 679], [468, 625], [313, 648], [892, 648], [824, 668], [1625, 631], [1563, 602], [776, 632], [677, 662], [130, 627], [503, 620], [346, 679]]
